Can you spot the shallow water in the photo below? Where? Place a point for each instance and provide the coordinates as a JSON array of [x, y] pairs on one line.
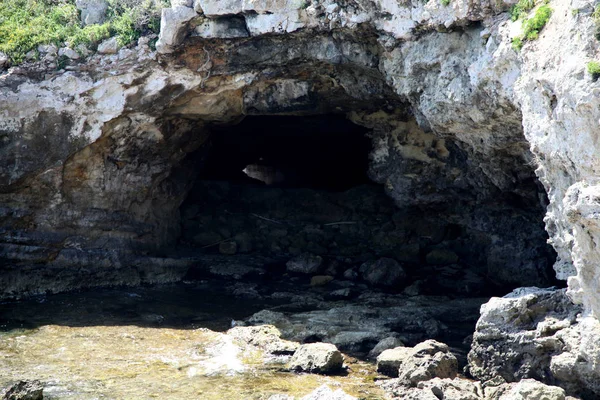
[[151, 342]]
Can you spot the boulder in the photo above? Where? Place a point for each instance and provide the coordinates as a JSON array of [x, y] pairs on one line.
[[305, 264], [519, 335], [390, 342], [109, 46], [427, 360], [384, 272], [265, 337], [389, 361], [25, 390], [322, 358], [527, 389]]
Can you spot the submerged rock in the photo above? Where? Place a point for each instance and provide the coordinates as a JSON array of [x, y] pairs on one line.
[[322, 358]]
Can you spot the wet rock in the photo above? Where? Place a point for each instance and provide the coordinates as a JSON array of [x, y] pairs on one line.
[[228, 248], [389, 361], [320, 280], [317, 357], [427, 360], [527, 389], [384, 272], [441, 257], [109, 46], [25, 390], [388, 343], [265, 337], [305, 264]]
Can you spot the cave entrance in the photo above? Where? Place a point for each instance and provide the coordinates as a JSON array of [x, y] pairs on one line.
[[274, 190], [305, 190]]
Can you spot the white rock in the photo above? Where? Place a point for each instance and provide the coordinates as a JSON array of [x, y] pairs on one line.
[[173, 27], [323, 358], [527, 389], [389, 360], [109, 46], [222, 28]]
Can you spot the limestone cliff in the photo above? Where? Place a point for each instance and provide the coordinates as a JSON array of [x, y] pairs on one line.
[[93, 161]]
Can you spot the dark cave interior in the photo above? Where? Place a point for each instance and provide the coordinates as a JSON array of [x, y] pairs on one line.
[[308, 194]]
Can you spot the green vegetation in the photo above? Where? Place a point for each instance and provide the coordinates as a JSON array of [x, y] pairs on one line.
[[25, 24], [521, 9], [445, 2], [593, 68], [533, 26]]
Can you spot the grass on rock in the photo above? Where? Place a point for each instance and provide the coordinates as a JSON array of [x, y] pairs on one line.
[[26, 24]]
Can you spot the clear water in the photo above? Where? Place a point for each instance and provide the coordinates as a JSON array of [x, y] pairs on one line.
[[160, 342]]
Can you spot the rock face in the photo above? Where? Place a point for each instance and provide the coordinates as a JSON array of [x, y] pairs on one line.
[[323, 358], [97, 159], [536, 333], [432, 84]]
